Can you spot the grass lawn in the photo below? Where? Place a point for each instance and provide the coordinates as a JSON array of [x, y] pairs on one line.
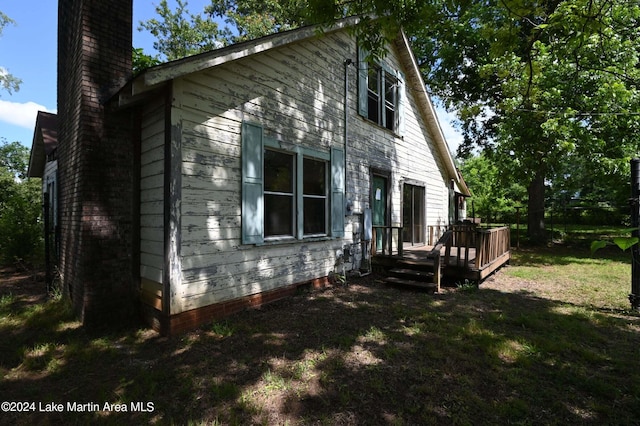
[[547, 340]]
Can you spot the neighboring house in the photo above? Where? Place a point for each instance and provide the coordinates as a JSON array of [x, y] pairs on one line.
[[232, 177], [43, 163]]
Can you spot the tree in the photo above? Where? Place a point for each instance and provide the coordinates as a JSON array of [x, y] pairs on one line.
[[249, 19], [180, 33], [535, 83], [20, 206], [141, 61], [494, 199], [8, 82]]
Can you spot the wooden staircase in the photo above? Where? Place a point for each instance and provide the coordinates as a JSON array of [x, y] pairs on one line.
[[423, 273]]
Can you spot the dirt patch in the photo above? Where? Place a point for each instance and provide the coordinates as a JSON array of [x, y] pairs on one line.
[[24, 286], [364, 353]]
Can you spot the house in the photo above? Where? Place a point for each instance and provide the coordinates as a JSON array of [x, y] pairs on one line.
[[228, 179], [43, 163]]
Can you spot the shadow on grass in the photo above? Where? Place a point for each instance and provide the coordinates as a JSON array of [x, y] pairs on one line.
[[559, 255], [366, 354]]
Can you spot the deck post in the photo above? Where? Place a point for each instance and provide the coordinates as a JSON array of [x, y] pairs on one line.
[[436, 271]]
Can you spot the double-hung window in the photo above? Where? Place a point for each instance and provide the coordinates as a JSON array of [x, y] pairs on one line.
[[279, 196], [289, 192], [314, 197], [381, 94]]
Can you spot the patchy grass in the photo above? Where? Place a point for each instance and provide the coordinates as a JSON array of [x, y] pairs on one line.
[[547, 340]]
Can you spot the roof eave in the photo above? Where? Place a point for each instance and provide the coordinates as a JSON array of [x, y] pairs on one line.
[[160, 74], [430, 116]]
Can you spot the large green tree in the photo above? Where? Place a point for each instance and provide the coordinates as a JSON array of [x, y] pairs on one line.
[[537, 83], [20, 206], [180, 33], [8, 82]]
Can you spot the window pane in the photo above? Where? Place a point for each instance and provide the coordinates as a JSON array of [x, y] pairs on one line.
[[315, 177], [278, 215], [372, 80], [373, 94], [390, 100], [315, 216], [278, 171]]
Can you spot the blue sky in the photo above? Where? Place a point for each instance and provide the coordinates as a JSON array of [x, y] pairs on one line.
[[28, 51]]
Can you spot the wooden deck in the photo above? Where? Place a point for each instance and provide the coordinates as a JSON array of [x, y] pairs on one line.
[[464, 253]]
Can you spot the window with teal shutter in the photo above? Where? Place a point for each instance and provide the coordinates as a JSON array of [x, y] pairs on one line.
[[381, 93], [289, 193]]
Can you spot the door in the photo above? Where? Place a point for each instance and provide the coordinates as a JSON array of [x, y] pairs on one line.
[[379, 206], [413, 207]]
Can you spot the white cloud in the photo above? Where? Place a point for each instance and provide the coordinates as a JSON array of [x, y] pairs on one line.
[[20, 114]]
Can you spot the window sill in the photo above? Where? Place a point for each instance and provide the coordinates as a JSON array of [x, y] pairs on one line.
[[291, 240], [381, 127]]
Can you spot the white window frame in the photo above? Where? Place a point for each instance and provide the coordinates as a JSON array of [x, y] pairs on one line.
[[254, 144], [383, 74]]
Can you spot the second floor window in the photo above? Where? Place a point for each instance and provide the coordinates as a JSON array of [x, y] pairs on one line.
[[382, 97], [381, 93]]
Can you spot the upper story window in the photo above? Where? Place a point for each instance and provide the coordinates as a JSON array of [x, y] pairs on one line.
[[382, 97], [381, 94]]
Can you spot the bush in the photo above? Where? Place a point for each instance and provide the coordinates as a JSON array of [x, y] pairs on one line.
[[21, 230]]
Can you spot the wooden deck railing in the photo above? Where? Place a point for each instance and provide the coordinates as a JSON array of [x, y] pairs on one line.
[[492, 244], [469, 245], [387, 239], [466, 246]]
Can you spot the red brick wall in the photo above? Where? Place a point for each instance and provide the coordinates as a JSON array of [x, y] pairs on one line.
[[96, 160], [190, 320]]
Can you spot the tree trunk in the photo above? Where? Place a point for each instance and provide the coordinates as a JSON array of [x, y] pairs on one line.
[[536, 231]]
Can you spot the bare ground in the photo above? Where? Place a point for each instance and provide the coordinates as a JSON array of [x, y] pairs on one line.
[[360, 354]]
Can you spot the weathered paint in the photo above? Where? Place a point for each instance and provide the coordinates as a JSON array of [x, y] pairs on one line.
[[152, 193], [296, 93]]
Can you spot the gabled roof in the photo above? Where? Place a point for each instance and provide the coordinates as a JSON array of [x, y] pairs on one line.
[[156, 76], [45, 141]]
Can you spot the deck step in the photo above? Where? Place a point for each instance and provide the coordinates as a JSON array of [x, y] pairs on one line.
[[411, 283], [413, 273], [422, 263]]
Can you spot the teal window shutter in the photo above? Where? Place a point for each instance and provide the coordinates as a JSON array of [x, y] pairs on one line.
[[252, 184], [337, 192], [401, 107], [363, 73]]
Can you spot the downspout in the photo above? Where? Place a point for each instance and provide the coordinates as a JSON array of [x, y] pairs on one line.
[[347, 62]]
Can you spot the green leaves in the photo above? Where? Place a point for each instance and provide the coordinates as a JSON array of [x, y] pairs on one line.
[[623, 243], [8, 82], [179, 33], [20, 205]]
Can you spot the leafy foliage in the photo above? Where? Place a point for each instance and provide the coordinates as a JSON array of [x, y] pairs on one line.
[[141, 61], [179, 33], [20, 206], [494, 198], [8, 82], [541, 85], [249, 19]]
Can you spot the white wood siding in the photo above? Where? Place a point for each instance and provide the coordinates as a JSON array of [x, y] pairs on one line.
[[152, 193], [296, 93]]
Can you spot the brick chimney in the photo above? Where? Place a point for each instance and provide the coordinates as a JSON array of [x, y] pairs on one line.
[[96, 161]]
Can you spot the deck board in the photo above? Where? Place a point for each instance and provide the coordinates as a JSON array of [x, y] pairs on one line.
[[455, 269]]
